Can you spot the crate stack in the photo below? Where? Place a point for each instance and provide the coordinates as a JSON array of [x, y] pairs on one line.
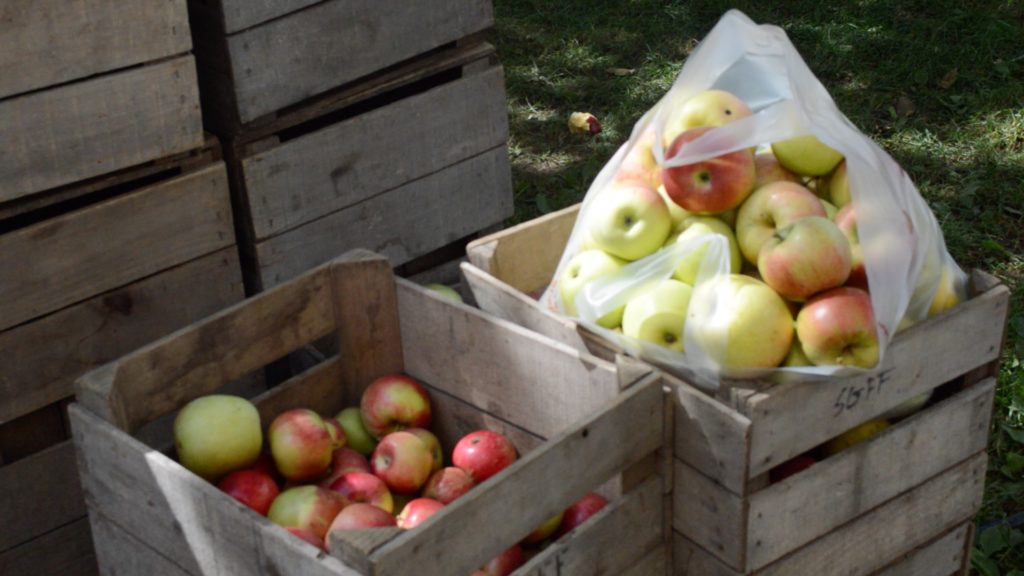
[[115, 229], [379, 125]]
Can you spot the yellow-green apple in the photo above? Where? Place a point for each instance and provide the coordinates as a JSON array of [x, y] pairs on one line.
[[216, 434], [402, 461], [629, 221], [360, 515], [307, 536], [907, 408], [417, 511], [837, 327], [254, 488], [394, 402], [546, 529], [580, 511], [839, 186], [695, 227], [447, 484], [946, 295], [358, 438], [343, 461], [854, 436], [767, 169], [639, 164], [729, 217], [796, 356], [708, 186], [808, 256], [433, 445], [707, 108], [769, 208], [444, 290], [740, 322], [364, 487], [830, 210], [658, 314], [846, 220], [806, 155], [583, 268], [308, 507], [791, 467], [483, 453], [300, 444], [338, 438], [504, 564], [675, 211]]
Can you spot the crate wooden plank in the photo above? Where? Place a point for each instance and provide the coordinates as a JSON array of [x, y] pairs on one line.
[[67, 259], [54, 350], [287, 60], [655, 563], [119, 552], [689, 559], [66, 550], [57, 42], [941, 557], [318, 386], [349, 162], [421, 215], [39, 494], [31, 433], [80, 130], [927, 354], [710, 516], [454, 418], [241, 14]]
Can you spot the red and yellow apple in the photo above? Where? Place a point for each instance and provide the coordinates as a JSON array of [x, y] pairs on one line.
[[433, 445], [837, 327], [417, 511], [709, 186], [580, 511], [254, 488], [393, 402], [358, 516], [307, 507], [639, 164], [402, 461], [767, 169], [769, 208], [300, 445], [448, 484], [808, 256], [338, 438], [343, 461], [846, 220], [364, 487], [483, 454], [707, 108], [504, 564], [216, 434], [545, 530], [839, 186]]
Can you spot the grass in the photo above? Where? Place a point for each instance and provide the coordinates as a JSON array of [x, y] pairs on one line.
[[939, 84]]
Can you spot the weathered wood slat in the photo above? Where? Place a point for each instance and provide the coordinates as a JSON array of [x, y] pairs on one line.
[[422, 215], [57, 42], [654, 564], [941, 557], [65, 260], [119, 552], [66, 550], [54, 350], [710, 516], [689, 559], [80, 130], [318, 388], [39, 494], [453, 418], [241, 14]]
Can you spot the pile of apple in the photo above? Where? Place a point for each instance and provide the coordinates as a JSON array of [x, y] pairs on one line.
[[370, 466], [796, 292]]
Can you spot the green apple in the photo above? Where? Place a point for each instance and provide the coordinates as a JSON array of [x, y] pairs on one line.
[[707, 108], [769, 208], [629, 221], [446, 291], [359, 439], [830, 210], [675, 211], [806, 155], [740, 323], [582, 269], [658, 314], [839, 186], [796, 356], [698, 227], [946, 294], [217, 434]]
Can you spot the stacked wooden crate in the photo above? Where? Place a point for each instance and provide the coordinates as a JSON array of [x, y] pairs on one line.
[[115, 229], [901, 502], [379, 125]]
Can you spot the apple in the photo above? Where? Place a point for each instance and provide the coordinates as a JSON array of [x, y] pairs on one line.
[[946, 295], [854, 436], [483, 454], [839, 186], [265, 463], [364, 487], [300, 444], [847, 223], [707, 108], [740, 322], [254, 488], [767, 169], [308, 507], [343, 461], [580, 511], [358, 516], [217, 434], [837, 327], [830, 210], [658, 314], [338, 438], [358, 438], [909, 407], [806, 155], [709, 186], [394, 402], [808, 256], [445, 291], [769, 208], [544, 530], [307, 536], [639, 164], [417, 511], [582, 269], [796, 356], [675, 211], [402, 461], [433, 444], [790, 467], [696, 227], [629, 221], [504, 564], [447, 484]]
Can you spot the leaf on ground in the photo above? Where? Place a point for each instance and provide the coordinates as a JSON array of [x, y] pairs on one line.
[[904, 106], [1014, 465], [543, 205], [991, 541], [1016, 433], [949, 79], [621, 71], [984, 564]]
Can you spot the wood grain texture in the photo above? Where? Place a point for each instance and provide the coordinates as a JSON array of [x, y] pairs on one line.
[[80, 130], [401, 224], [66, 550], [73, 257], [241, 14], [54, 350], [58, 41], [942, 557], [453, 418], [120, 552], [356, 159], [689, 559], [39, 494], [287, 60], [656, 563], [709, 516], [318, 388]]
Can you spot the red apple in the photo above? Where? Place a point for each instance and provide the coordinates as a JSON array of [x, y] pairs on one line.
[[846, 220], [837, 327], [308, 507], [483, 454], [338, 439], [361, 515], [416, 511], [364, 487], [580, 511], [447, 484], [254, 488], [709, 186], [790, 467], [343, 461], [433, 444], [265, 463], [394, 402], [767, 170], [505, 563], [769, 208], [544, 530], [308, 536], [402, 461], [639, 164], [300, 444], [808, 256]]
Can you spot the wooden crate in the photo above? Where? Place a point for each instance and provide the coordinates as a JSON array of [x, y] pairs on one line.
[[403, 164], [258, 58], [118, 268], [97, 87], [913, 487], [577, 421]]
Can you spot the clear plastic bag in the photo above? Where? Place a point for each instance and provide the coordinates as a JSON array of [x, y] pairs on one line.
[[903, 249]]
